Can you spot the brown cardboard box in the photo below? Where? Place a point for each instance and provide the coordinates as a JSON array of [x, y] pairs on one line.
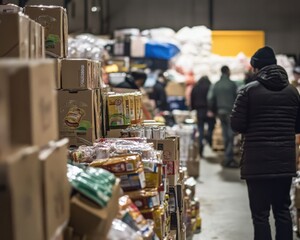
[[39, 37], [193, 168], [175, 89], [54, 20], [15, 28], [170, 148], [96, 74], [41, 45], [56, 188], [89, 219], [20, 196], [4, 116], [32, 44], [76, 74], [33, 102], [10, 8], [58, 73], [77, 116]]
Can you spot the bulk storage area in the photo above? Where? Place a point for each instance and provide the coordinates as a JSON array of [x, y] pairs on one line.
[[101, 135]]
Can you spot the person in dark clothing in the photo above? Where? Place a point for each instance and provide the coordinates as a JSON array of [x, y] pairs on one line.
[[135, 80], [266, 112], [199, 103], [221, 97], [159, 94]]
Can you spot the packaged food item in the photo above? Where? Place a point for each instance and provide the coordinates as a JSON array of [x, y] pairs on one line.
[[156, 215], [153, 173], [120, 230], [120, 164], [116, 115], [145, 199], [133, 180], [95, 184], [131, 215]]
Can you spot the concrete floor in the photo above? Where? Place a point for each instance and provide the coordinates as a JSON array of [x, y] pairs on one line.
[[224, 204]]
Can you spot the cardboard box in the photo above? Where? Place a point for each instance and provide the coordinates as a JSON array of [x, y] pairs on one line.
[[56, 188], [96, 74], [33, 103], [10, 8], [87, 218], [20, 196], [170, 148], [58, 73], [15, 27], [77, 116], [5, 140], [54, 20], [76, 74], [193, 168]]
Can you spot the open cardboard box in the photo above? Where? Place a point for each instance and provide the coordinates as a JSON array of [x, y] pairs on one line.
[[20, 195], [89, 219]]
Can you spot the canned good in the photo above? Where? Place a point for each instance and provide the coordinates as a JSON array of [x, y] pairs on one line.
[[148, 132], [156, 133], [162, 132]]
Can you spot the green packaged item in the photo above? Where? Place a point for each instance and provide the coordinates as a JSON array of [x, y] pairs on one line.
[[96, 184]]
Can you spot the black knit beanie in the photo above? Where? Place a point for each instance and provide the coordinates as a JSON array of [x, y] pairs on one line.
[[263, 57]]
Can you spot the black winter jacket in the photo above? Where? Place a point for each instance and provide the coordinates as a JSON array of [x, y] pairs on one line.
[[266, 112]]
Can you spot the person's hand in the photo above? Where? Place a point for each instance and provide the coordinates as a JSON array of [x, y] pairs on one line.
[[210, 114]]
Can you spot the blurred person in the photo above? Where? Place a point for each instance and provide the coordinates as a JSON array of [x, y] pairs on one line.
[[199, 103], [296, 73], [159, 94], [134, 80], [266, 113], [221, 97]]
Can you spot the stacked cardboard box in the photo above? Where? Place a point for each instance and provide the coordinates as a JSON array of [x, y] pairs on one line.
[[79, 101], [54, 20], [34, 188], [23, 36]]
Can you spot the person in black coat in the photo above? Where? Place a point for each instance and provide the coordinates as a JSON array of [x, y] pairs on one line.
[[134, 80], [266, 113], [199, 103], [159, 94]]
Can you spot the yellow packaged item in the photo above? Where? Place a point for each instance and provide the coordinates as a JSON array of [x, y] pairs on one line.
[[155, 215], [145, 199], [116, 114], [153, 173], [120, 164]]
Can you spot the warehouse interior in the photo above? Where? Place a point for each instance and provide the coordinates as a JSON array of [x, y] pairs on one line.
[[101, 139]]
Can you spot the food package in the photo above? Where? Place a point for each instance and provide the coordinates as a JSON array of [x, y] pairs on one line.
[[116, 115], [145, 199], [131, 215], [120, 164], [120, 230], [95, 184], [153, 173], [133, 180], [156, 215]]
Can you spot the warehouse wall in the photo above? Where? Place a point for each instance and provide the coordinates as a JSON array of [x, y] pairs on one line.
[[155, 13], [279, 19]]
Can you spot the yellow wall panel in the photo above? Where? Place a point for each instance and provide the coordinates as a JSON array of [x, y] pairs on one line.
[[231, 43]]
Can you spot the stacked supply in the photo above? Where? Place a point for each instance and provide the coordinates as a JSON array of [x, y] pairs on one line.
[[23, 36], [79, 101], [94, 203], [31, 154], [55, 21], [124, 109]]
